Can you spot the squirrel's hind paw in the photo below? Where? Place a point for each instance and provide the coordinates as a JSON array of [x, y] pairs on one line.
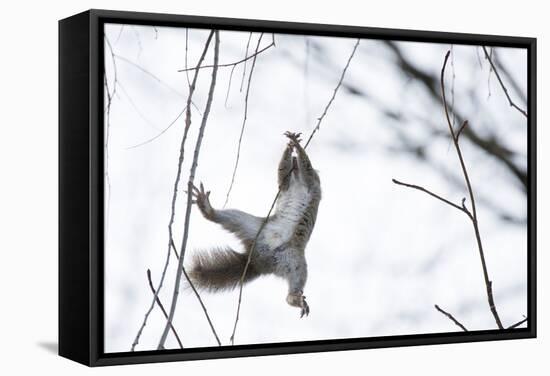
[[298, 300], [305, 308]]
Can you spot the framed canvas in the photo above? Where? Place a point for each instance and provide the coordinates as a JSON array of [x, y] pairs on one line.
[[213, 173]]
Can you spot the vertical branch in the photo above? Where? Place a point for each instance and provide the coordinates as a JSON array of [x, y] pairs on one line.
[[190, 183], [175, 192], [264, 222], [488, 283], [110, 96], [244, 120], [245, 55], [472, 215]]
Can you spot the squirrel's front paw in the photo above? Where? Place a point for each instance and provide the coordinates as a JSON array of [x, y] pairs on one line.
[[202, 199], [294, 137]]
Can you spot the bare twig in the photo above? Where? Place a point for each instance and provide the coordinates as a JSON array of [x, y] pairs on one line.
[[453, 84], [229, 85], [264, 222], [473, 214], [511, 80], [161, 132], [136, 108], [464, 124], [461, 208], [197, 295], [488, 283], [320, 118], [488, 143], [244, 122], [150, 74], [518, 323], [186, 55], [138, 40], [190, 182], [252, 248], [451, 318], [110, 96], [119, 33], [504, 89], [253, 56], [244, 66], [175, 192], [161, 306], [489, 76]]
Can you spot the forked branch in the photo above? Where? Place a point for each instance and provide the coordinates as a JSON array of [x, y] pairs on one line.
[[472, 215], [191, 179], [161, 306], [175, 193]]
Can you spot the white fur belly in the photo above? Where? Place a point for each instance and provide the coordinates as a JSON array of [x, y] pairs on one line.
[[290, 208]]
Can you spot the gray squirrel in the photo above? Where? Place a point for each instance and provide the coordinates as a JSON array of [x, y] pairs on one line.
[[280, 248]]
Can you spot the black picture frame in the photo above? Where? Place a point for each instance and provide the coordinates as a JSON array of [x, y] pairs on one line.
[[81, 187]]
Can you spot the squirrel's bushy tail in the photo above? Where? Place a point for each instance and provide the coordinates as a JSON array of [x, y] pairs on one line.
[[220, 269]]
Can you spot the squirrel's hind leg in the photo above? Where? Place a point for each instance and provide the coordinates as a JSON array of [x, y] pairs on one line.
[[296, 275]]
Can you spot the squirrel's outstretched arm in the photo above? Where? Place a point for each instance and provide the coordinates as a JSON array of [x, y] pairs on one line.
[[305, 168], [285, 166], [245, 226]]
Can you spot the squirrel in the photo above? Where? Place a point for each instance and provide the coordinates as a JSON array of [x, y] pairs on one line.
[[280, 247]]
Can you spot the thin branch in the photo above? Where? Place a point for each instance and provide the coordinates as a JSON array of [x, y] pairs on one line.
[[504, 89], [186, 55], [191, 180], [264, 222], [229, 86], [451, 318], [175, 192], [464, 125], [136, 108], [119, 33], [320, 119], [138, 40], [511, 80], [150, 74], [244, 122], [161, 132], [488, 283], [244, 66], [253, 56], [197, 295], [110, 96], [489, 76], [154, 77], [518, 323], [252, 248], [488, 143], [161, 306], [461, 208]]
